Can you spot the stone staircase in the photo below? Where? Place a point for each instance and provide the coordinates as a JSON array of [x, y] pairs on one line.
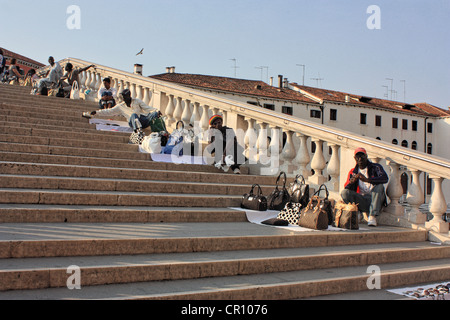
[[74, 196]]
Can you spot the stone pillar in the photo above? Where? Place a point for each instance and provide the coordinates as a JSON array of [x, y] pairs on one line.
[[394, 191], [250, 141], [195, 118], [415, 198], [288, 154], [303, 158], [334, 167], [318, 164], [178, 110], [186, 115], [438, 206]]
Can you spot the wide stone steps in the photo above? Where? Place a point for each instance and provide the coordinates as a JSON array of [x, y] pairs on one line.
[[40, 273], [138, 229]]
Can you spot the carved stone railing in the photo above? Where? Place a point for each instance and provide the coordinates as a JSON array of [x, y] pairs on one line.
[[254, 125]]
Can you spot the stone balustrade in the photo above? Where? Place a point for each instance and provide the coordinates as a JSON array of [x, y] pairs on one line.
[[333, 149]]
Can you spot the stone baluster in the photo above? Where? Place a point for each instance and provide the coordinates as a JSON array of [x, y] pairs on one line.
[[204, 121], [186, 115], [250, 140], [152, 97], [178, 110], [415, 199], [170, 108], [303, 158], [225, 117], [318, 164], [88, 80], [333, 168], [139, 94], [82, 80], [288, 154], [146, 97], [394, 190], [93, 84], [262, 143], [195, 118], [121, 87], [133, 90], [438, 206]]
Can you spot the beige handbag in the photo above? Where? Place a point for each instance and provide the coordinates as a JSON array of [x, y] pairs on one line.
[[346, 216]]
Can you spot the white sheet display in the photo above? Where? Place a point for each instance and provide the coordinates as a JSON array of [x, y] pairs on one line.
[[259, 216]]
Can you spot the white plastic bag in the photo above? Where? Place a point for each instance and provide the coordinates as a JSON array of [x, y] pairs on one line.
[[152, 143], [75, 92]]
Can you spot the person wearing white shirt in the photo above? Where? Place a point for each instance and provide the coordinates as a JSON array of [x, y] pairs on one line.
[[137, 113], [107, 95], [53, 77]]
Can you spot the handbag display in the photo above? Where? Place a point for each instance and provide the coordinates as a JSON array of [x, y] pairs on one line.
[[346, 216], [152, 143], [327, 205], [253, 201], [313, 216], [290, 213], [299, 191], [278, 198]]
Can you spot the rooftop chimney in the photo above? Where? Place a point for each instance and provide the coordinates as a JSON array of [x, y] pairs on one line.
[[172, 69], [138, 69], [167, 69], [271, 83], [280, 81]]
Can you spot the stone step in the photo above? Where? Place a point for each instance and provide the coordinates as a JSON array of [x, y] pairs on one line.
[[40, 273], [115, 198], [74, 151], [161, 171], [27, 98], [257, 287], [34, 129], [38, 240], [21, 213], [74, 160], [124, 185]]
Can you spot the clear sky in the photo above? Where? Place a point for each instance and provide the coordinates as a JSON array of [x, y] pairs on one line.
[[330, 37]]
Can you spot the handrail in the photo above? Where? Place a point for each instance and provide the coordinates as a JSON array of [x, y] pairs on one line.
[[426, 163]]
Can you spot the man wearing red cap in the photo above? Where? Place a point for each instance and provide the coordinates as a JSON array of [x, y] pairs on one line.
[[365, 186]]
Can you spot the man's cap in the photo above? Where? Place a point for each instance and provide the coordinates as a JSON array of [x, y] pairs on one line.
[[213, 118], [360, 150]]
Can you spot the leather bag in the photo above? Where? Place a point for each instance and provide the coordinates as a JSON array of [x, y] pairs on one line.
[[253, 201], [327, 204], [278, 198], [313, 216], [290, 213], [346, 216], [299, 191]]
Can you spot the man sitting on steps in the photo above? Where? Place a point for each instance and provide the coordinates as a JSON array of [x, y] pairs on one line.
[[137, 113], [364, 186]]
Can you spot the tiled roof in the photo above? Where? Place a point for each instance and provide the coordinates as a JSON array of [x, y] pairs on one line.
[[233, 85], [11, 54], [422, 109]]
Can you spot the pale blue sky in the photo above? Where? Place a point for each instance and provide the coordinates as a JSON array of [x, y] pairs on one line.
[[330, 37]]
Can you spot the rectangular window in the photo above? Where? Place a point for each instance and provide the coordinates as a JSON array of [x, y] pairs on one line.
[[287, 110], [414, 125], [333, 114], [394, 123], [378, 121], [315, 114], [429, 127], [269, 106], [405, 124], [252, 103], [363, 118]]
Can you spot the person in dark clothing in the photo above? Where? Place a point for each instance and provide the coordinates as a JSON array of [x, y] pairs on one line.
[[230, 146], [365, 186]]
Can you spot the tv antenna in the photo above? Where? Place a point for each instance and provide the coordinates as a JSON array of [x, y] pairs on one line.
[[302, 65], [235, 67], [404, 90], [319, 79]]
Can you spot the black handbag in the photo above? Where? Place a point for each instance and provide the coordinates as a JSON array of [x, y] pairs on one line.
[[278, 198], [290, 213], [253, 201], [299, 191], [325, 204]]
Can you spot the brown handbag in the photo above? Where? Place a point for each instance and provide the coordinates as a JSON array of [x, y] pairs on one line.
[[314, 216], [346, 216]]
